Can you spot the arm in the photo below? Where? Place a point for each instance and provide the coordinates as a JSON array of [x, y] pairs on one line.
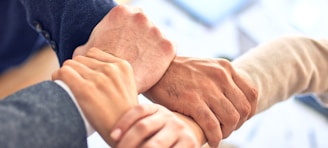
[[127, 33], [42, 115], [152, 125], [210, 92], [66, 24], [103, 86], [107, 84], [286, 66], [14, 27], [124, 32]]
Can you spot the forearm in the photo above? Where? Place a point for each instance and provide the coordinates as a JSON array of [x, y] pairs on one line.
[[284, 67]]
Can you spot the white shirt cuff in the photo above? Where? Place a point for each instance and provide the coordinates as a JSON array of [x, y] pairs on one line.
[[90, 130]]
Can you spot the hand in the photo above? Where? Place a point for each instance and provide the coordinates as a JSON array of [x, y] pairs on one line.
[[153, 126], [209, 91], [127, 33], [103, 86]]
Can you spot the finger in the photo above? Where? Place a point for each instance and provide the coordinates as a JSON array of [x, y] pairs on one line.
[[131, 117], [235, 94], [208, 122], [163, 138], [226, 114], [239, 101], [103, 56], [140, 131], [249, 91], [71, 78], [91, 63], [84, 71], [107, 67]]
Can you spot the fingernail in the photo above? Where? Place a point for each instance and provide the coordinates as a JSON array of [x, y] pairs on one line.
[[116, 134]]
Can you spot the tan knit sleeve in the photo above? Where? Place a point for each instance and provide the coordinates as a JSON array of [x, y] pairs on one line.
[[284, 67]]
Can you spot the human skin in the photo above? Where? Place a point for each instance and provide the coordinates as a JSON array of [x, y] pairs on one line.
[[209, 91], [218, 99], [152, 125], [127, 33], [105, 89]]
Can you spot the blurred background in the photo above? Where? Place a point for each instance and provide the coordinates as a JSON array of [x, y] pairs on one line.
[[229, 28]]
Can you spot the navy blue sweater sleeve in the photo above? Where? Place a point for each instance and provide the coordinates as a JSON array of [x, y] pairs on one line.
[[18, 41], [66, 24]]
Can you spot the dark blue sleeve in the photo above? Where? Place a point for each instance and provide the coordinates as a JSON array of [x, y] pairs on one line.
[[18, 41], [41, 116], [66, 24]]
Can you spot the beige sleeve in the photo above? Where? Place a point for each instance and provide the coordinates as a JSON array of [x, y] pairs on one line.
[[284, 67]]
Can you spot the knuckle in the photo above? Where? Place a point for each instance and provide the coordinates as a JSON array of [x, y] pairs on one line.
[[222, 74], [63, 71], [178, 125], [92, 51], [142, 126], [78, 58], [168, 47], [141, 109], [121, 11], [120, 8], [124, 64], [107, 67], [99, 80], [234, 118], [67, 62], [141, 18], [155, 32], [225, 63], [245, 110], [212, 124], [253, 94]]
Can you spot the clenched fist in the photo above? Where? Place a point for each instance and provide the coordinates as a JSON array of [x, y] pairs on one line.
[[103, 85], [208, 90], [127, 33]]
